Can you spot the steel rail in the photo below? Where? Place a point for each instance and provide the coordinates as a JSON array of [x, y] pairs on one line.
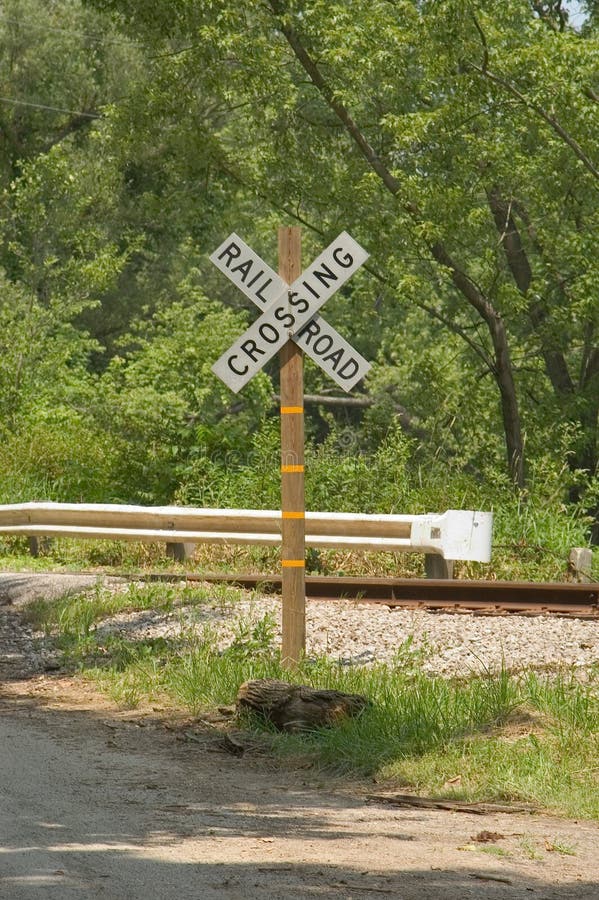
[[480, 597]]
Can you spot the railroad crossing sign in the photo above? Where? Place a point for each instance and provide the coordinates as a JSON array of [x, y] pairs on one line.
[[290, 324], [290, 312]]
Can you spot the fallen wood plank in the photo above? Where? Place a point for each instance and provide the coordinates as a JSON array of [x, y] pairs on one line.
[[479, 809]]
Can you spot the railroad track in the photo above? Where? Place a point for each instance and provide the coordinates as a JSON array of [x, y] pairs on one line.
[[481, 597]]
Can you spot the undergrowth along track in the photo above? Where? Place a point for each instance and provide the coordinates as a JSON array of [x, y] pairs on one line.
[[480, 597]]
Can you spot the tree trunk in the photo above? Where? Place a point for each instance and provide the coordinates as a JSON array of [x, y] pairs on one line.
[[579, 402], [502, 368], [296, 707]]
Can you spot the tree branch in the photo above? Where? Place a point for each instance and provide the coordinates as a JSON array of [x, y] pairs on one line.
[[540, 111], [591, 94], [502, 363], [311, 68], [555, 362], [547, 11], [333, 402], [79, 121], [461, 332], [509, 238]]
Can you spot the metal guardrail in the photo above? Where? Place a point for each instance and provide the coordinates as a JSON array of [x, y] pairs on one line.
[[453, 535]]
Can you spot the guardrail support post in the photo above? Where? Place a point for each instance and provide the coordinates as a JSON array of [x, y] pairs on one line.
[[179, 552], [580, 563], [38, 545], [436, 566]]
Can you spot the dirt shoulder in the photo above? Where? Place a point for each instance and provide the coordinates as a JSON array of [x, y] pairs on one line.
[[101, 803]]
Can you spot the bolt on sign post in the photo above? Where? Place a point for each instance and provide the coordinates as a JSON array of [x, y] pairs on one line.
[[291, 326]]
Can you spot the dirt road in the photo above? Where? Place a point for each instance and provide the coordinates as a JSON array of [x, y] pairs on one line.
[[96, 803], [101, 804]]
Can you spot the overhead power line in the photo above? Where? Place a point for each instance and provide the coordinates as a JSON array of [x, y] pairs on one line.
[[60, 109], [100, 39]]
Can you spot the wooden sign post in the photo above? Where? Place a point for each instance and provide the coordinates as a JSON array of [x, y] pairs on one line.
[[290, 324], [293, 508]]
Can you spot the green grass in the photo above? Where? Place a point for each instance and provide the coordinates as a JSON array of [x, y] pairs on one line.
[[78, 614], [500, 737]]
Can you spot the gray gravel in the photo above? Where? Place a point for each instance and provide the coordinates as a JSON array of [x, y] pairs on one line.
[[354, 633], [350, 632], [20, 588]]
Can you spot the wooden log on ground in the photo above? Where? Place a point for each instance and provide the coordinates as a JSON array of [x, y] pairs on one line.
[[296, 707]]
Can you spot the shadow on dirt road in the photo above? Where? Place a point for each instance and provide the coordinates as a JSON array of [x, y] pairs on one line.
[[100, 804]]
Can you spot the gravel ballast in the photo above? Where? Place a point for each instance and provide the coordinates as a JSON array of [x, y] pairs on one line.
[[350, 632], [361, 633]]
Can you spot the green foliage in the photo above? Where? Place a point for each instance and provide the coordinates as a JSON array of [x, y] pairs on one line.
[[482, 127], [253, 640], [37, 462], [162, 406], [59, 64], [338, 476], [42, 359]]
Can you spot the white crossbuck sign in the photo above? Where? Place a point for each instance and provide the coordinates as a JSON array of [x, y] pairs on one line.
[[290, 312]]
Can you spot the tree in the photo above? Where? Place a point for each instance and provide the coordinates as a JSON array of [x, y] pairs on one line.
[[461, 94], [59, 65], [462, 138], [165, 412]]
